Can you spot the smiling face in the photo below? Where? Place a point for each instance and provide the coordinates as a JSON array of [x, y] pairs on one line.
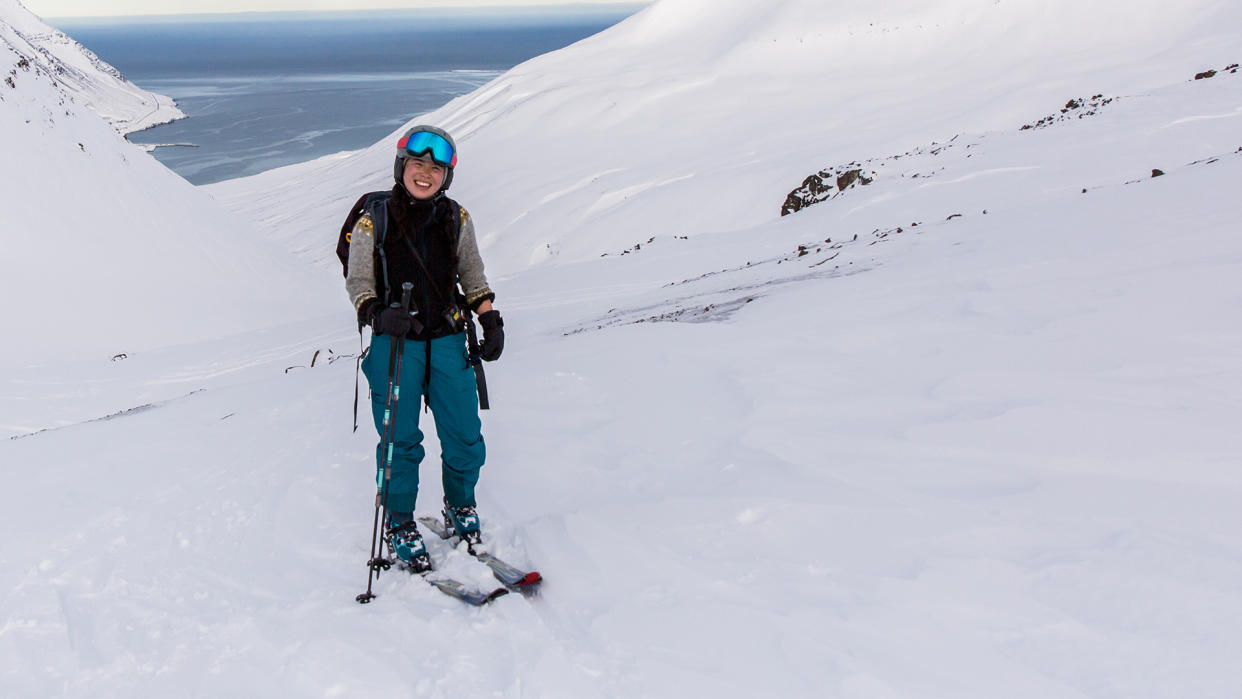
[[422, 178]]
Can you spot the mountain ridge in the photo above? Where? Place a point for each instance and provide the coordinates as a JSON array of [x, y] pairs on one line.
[[79, 73]]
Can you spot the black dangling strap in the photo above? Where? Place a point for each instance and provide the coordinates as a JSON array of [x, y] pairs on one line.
[[427, 380], [362, 353]]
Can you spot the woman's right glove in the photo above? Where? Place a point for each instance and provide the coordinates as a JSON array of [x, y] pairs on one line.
[[393, 322]]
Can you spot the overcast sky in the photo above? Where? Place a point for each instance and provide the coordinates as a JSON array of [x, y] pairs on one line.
[[90, 8]]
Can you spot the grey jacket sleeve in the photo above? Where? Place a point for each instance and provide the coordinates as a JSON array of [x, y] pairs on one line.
[[360, 273], [469, 264]]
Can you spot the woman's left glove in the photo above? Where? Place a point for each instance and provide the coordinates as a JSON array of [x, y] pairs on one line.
[[493, 336]]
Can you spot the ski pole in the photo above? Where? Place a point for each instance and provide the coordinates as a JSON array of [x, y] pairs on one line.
[[397, 348]]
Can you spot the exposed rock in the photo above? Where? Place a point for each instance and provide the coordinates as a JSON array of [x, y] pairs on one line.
[[826, 184], [1074, 109], [845, 179], [1231, 68], [1156, 172]]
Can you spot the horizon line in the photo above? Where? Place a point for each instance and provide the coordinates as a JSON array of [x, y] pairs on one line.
[[588, 6]]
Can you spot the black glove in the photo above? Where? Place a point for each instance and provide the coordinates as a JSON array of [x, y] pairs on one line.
[[493, 336], [392, 321]]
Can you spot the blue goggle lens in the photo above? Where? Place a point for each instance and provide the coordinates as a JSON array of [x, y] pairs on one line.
[[421, 142]]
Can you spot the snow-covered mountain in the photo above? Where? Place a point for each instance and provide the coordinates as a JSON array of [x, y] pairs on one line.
[[80, 74], [743, 100], [964, 425], [106, 251]]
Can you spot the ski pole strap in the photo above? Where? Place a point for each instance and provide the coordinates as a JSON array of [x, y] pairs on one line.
[[476, 361]]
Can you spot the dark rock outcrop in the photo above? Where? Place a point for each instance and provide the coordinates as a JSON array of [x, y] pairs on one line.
[[1074, 109], [825, 185]]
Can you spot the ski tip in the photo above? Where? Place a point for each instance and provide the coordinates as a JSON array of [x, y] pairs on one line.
[[531, 578]]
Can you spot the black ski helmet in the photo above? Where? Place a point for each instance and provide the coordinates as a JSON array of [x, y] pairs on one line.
[[433, 152]]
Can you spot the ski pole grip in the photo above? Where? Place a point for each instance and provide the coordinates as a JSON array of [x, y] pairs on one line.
[[406, 288]]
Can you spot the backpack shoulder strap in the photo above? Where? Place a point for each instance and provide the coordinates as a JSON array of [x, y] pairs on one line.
[[376, 204], [346, 235], [456, 223], [455, 208]]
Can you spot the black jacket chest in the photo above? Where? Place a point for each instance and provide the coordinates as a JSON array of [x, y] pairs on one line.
[[418, 248]]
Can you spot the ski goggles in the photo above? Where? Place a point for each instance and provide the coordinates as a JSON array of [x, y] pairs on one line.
[[421, 142]]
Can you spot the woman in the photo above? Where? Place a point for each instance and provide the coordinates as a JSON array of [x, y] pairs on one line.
[[428, 240]]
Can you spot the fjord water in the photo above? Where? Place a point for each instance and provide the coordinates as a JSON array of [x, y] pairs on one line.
[[264, 90]]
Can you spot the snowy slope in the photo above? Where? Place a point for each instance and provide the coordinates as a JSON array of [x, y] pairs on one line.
[[743, 100], [80, 74], [965, 431], [108, 252]]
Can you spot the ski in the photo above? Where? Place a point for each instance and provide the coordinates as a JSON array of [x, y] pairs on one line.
[[453, 588], [514, 578], [458, 590]]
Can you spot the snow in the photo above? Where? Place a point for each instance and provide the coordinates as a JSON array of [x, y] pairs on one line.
[[135, 256], [966, 431], [80, 73]]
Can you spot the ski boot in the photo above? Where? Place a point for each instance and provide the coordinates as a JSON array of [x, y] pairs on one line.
[[405, 541], [464, 522]]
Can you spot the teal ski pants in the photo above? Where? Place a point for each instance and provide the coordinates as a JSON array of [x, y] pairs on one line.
[[454, 407]]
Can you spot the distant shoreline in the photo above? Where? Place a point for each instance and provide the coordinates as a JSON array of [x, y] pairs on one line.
[[165, 111], [150, 147]]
